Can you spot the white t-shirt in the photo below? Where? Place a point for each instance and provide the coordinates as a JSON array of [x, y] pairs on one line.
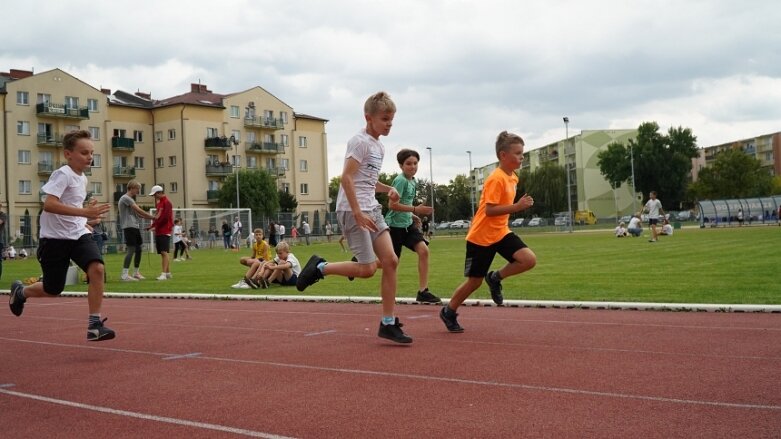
[[71, 189], [236, 227], [653, 207], [295, 265], [634, 223], [667, 229], [620, 231], [282, 229], [369, 153], [177, 233]]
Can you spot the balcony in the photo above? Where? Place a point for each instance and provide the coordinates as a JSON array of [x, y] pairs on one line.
[[264, 122], [218, 143], [49, 109], [212, 196], [277, 172], [265, 147], [123, 143], [44, 139], [46, 168], [218, 169], [124, 171]]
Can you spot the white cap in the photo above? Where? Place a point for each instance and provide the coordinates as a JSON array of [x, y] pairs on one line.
[[155, 189]]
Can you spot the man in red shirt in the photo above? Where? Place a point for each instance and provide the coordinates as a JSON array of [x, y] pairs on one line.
[[163, 225]]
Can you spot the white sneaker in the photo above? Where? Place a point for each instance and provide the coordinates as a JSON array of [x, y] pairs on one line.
[[162, 277], [177, 260], [240, 285], [138, 276], [127, 278], [169, 275]]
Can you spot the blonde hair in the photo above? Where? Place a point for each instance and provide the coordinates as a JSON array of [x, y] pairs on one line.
[[283, 246], [379, 102], [133, 184], [505, 139], [258, 230]]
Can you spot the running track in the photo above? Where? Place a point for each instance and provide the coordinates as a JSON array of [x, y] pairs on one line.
[[212, 369]]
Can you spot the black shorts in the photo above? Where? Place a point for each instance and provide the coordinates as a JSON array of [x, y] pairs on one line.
[[653, 221], [133, 237], [287, 282], [163, 243], [479, 258], [55, 256], [408, 237]]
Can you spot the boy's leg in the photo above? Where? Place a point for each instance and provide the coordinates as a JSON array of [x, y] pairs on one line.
[[523, 260], [95, 288], [383, 248]]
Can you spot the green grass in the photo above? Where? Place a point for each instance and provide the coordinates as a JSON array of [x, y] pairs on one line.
[[729, 265]]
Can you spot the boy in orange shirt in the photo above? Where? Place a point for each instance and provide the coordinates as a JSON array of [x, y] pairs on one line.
[[490, 233]]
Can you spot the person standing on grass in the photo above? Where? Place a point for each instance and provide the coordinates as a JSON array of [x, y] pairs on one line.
[[403, 220], [64, 236], [307, 231], [360, 216], [163, 225], [654, 208], [226, 234], [130, 220], [490, 233]]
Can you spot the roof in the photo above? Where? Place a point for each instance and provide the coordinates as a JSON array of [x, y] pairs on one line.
[[130, 100], [306, 116], [198, 95]]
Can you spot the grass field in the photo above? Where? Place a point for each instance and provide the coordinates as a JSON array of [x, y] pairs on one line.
[[726, 265]]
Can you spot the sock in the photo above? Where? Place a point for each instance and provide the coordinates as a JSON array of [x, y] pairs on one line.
[[138, 270], [388, 320], [321, 267], [94, 319], [124, 272], [496, 276]]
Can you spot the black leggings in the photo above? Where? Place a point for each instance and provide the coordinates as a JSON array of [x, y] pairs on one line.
[[132, 250], [178, 248]]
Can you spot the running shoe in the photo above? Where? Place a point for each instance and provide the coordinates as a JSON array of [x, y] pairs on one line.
[[393, 332], [17, 299], [310, 274], [448, 316], [251, 283], [350, 278], [139, 276], [425, 296], [241, 285], [98, 332], [128, 278], [162, 277], [495, 287]]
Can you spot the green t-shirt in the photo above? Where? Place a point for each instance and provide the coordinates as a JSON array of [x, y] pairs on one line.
[[406, 189]]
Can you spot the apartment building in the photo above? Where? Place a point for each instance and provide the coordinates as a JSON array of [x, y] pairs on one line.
[[188, 143], [765, 148]]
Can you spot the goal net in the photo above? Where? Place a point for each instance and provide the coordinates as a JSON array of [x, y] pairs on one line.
[[203, 227]]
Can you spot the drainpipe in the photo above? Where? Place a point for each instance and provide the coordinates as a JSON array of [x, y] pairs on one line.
[[184, 161]]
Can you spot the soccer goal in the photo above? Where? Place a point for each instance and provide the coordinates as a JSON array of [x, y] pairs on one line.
[[204, 226]]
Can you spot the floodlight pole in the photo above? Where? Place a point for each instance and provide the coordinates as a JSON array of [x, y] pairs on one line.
[[237, 164], [567, 165], [471, 185], [431, 184]]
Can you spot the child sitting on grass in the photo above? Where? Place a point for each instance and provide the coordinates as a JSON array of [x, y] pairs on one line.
[[283, 269], [261, 253]]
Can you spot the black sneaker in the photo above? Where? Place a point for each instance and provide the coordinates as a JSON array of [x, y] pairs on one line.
[[425, 296], [98, 332], [310, 274], [251, 282], [393, 332], [17, 299], [449, 318], [495, 287], [350, 278]]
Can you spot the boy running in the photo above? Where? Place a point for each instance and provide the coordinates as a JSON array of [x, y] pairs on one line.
[[490, 233]]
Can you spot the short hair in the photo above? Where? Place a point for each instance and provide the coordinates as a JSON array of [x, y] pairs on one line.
[[133, 184], [177, 221], [505, 139], [283, 246], [258, 230], [69, 142], [379, 102], [405, 153]]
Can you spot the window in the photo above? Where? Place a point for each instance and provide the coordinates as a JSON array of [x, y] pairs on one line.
[[236, 134], [268, 114], [160, 162], [46, 157], [71, 101], [171, 160], [138, 162], [301, 142], [213, 185], [23, 157], [235, 111], [45, 132], [138, 136], [251, 136], [211, 132], [236, 161], [44, 98], [97, 160], [286, 187], [119, 132], [92, 104], [23, 128], [283, 116], [174, 187], [158, 136], [302, 166], [304, 189], [22, 98], [94, 132], [252, 162], [284, 140], [172, 134], [25, 187], [284, 164], [96, 188], [213, 160]]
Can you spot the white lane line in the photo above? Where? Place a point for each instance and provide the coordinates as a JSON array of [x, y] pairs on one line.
[[145, 416], [420, 316], [179, 357], [330, 331], [565, 390]]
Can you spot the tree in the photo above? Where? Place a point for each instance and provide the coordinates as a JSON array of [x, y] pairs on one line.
[[613, 164], [459, 200], [333, 192], [287, 202], [734, 174], [548, 186], [257, 191]]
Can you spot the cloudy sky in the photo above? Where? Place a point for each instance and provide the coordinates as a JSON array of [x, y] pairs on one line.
[[459, 71]]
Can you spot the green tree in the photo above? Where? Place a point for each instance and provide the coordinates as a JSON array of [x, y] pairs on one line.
[[257, 191], [614, 165], [333, 192], [287, 202], [548, 186], [734, 174], [459, 201]]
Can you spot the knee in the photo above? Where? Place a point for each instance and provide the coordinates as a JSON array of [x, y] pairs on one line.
[[367, 270], [96, 269]]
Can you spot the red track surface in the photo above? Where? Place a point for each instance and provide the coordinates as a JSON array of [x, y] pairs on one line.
[[187, 368]]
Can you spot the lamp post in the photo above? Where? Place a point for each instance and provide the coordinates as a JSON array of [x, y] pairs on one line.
[[431, 183], [634, 191], [567, 165], [236, 164], [471, 185]]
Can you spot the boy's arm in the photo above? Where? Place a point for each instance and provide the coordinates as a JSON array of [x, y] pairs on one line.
[[52, 204], [393, 194], [142, 212], [525, 202]]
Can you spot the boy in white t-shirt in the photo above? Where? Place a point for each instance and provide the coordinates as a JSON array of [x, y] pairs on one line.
[[283, 269], [65, 235], [620, 231], [360, 216], [654, 209]]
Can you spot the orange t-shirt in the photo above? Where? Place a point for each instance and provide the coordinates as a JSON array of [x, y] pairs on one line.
[[499, 188]]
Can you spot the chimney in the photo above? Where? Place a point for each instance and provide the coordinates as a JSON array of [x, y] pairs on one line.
[[106, 91], [199, 88], [19, 74]]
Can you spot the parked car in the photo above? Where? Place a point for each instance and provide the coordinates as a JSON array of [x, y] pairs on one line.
[[684, 215], [537, 222], [443, 225], [625, 219], [517, 222], [561, 221], [460, 224]]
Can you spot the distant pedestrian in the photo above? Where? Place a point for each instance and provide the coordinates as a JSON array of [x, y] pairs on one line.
[[307, 231], [654, 209]]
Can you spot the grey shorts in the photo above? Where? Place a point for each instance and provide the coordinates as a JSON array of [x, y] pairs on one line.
[[360, 240]]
